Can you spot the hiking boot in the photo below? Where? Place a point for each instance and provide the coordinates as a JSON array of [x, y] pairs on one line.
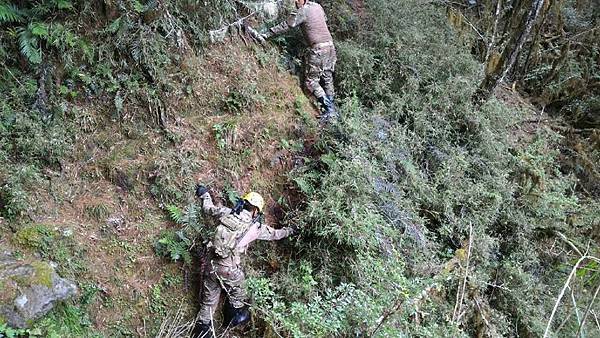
[[332, 108], [235, 316], [324, 105], [201, 331], [328, 110]]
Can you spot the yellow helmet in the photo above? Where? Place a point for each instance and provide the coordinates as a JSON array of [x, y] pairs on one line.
[[255, 199]]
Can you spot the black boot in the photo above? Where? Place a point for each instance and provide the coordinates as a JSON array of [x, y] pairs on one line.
[[327, 110], [201, 330], [323, 105], [234, 317], [332, 107]]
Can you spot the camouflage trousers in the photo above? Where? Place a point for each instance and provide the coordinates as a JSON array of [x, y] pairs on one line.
[[221, 276], [320, 66]]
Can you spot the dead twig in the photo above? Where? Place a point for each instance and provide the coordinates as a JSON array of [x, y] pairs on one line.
[[564, 288], [596, 318], [387, 314], [575, 307], [461, 292], [588, 310], [11, 74], [566, 240]]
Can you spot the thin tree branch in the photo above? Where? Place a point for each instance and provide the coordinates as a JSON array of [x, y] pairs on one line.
[[461, 292], [588, 309], [566, 240], [11, 74], [562, 291], [575, 307]]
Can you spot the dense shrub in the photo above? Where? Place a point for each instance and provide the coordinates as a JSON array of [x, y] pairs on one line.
[[408, 178]]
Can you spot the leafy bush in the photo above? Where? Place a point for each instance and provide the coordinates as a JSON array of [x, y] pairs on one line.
[[174, 245], [410, 175]]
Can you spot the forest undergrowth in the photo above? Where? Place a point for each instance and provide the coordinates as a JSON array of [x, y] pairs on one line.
[[421, 213]]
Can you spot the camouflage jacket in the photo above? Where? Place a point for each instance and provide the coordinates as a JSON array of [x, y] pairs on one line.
[[311, 17], [237, 231]]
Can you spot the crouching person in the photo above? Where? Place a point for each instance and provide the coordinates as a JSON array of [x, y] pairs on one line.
[[237, 229]]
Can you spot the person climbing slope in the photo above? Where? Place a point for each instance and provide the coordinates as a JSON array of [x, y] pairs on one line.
[[322, 57], [239, 227]]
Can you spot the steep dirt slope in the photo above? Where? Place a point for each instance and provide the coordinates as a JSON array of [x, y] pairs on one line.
[[235, 123]]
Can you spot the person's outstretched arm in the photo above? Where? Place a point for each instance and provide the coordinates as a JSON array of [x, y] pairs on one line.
[[207, 203], [295, 19], [270, 234]]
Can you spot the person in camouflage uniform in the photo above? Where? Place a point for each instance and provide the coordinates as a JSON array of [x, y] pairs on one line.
[[322, 57], [239, 227]]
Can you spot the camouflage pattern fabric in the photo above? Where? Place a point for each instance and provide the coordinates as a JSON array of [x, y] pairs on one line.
[[221, 277], [320, 66], [226, 273]]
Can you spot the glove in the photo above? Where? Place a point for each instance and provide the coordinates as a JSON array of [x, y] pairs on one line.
[[293, 230], [261, 39], [201, 190], [266, 36]]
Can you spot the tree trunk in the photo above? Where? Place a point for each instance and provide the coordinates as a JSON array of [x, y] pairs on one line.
[[510, 54], [535, 44]]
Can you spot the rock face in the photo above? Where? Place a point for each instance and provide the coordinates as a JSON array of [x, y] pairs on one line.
[[29, 289]]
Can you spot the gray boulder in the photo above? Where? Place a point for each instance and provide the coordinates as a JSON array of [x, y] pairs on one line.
[[29, 289]]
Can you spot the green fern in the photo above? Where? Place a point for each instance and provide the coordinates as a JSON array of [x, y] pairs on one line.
[[39, 29], [191, 216], [9, 13], [174, 245], [30, 46], [175, 214]]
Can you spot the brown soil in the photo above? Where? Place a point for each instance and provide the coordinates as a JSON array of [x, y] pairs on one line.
[[118, 253]]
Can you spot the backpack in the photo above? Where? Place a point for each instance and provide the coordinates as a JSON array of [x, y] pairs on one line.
[[228, 234]]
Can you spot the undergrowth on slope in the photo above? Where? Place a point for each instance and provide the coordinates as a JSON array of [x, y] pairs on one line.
[[422, 217]]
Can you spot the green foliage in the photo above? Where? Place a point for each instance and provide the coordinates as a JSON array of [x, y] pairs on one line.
[[187, 218], [53, 245], [242, 98], [66, 320], [37, 236], [225, 134], [99, 211], [9, 332], [175, 213], [387, 202], [63, 4], [157, 302], [9, 13], [174, 245]]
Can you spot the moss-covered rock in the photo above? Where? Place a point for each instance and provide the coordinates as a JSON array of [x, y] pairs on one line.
[[29, 289]]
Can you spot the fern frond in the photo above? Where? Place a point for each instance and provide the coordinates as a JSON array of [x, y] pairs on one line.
[[38, 29], [191, 216], [29, 44], [175, 214], [9, 13]]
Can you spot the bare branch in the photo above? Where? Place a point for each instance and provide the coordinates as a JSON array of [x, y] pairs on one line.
[[562, 291], [575, 307], [588, 310], [461, 292], [566, 240]]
